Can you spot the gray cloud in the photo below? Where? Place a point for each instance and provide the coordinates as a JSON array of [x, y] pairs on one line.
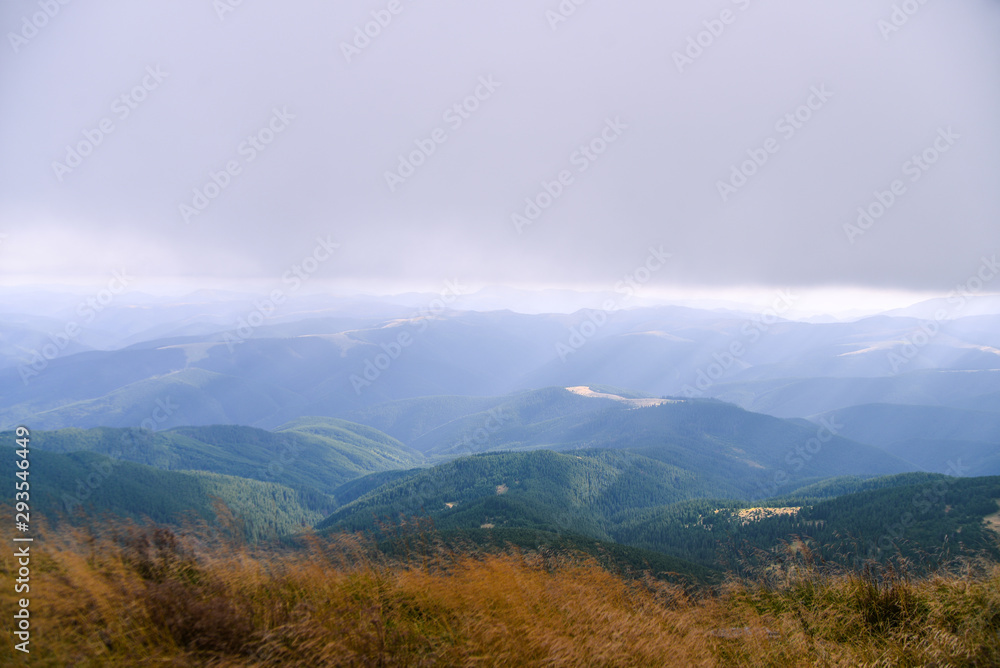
[[324, 172]]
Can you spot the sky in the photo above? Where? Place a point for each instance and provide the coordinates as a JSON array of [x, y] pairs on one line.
[[704, 148]]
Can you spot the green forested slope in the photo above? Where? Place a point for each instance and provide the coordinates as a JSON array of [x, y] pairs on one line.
[[635, 500], [84, 486], [319, 457], [928, 521]]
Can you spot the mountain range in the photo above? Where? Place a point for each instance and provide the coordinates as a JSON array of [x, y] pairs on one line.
[[637, 432], [325, 362]]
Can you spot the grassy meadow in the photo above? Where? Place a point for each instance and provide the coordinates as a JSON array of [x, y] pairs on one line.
[[143, 595]]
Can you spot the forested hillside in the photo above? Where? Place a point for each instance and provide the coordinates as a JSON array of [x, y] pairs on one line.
[[86, 487], [319, 455], [928, 522], [633, 500], [753, 454]]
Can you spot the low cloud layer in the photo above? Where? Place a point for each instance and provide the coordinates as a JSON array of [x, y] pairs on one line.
[[527, 143]]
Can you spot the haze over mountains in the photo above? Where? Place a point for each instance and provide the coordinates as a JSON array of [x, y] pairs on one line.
[[632, 427], [163, 363]]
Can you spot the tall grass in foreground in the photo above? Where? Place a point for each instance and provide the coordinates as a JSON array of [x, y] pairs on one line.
[[140, 595]]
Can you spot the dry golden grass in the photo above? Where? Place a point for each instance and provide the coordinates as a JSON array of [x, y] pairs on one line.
[[140, 596]]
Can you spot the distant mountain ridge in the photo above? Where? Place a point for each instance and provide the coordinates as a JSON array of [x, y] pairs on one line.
[[928, 436], [328, 362]]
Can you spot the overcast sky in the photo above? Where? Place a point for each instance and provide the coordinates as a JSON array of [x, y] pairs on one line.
[[183, 85]]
